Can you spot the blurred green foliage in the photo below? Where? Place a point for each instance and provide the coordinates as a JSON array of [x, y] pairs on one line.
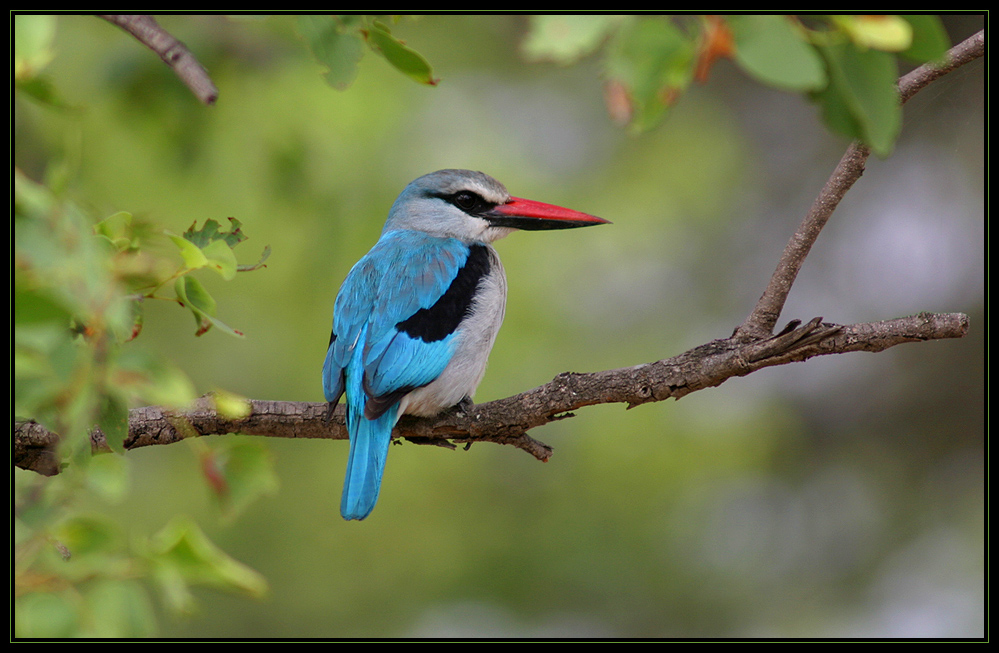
[[847, 63], [751, 509]]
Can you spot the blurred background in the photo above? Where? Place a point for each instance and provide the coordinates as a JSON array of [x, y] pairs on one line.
[[842, 497]]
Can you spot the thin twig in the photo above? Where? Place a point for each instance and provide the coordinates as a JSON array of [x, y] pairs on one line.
[[170, 50]]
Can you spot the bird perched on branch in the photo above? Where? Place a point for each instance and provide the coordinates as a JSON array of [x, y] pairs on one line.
[[415, 319]]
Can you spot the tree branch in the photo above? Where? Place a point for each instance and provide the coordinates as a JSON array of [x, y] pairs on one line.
[[766, 313], [170, 50], [506, 421]]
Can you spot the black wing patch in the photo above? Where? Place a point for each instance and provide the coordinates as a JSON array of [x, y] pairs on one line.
[[441, 319]]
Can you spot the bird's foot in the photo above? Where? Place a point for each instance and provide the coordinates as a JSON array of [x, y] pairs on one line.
[[465, 405]]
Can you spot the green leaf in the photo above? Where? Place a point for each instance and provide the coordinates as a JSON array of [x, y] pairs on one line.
[[258, 264], [221, 258], [88, 535], [337, 44], [929, 39], [565, 38], [45, 353], [248, 471], [38, 306], [194, 258], [210, 247], [108, 477], [32, 43], [182, 556], [117, 229], [861, 100], [406, 60], [211, 233], [113, 421], [150, 380], [230, 405], [193, 295], [45, 615], [120, 608], [42, 90], [880, 32], [771, 50], [653, 60]]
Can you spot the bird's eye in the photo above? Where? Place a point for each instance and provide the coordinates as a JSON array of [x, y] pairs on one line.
[[466, 201]]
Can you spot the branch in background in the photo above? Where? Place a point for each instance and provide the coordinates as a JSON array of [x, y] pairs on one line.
[[170, 50], [506, 421], [763, 319], [964, 52]]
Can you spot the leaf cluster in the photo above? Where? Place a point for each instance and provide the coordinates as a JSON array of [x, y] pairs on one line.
[[80, 287], [846, 65], [339, 43], [85, 577], [79, 290]]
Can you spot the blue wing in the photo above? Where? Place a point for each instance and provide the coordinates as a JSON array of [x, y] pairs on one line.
[[391, 334], [406, 272]]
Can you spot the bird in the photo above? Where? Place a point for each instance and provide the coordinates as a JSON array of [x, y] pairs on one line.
[[416, 317]]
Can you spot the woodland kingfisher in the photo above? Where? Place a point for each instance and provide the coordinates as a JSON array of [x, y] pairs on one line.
[[416, 317]]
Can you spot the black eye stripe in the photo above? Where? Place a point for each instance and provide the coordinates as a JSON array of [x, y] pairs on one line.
[[468, 201]]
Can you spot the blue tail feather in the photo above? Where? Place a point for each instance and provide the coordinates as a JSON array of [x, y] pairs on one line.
[[369, 444]]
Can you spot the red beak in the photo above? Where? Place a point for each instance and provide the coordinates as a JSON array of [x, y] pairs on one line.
[[536, 216]]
